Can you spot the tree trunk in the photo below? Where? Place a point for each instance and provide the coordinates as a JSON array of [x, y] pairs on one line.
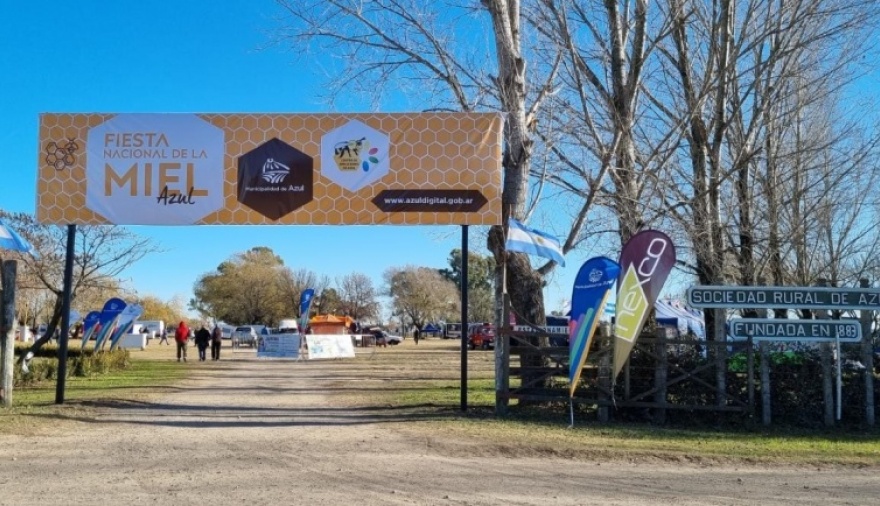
[[524, 285], [50, 328], [7, 326]]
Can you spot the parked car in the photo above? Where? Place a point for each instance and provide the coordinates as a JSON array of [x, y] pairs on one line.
[[226, 331], [481, 335], [391, 338], [288, 325], [452, 331], [382, 338], [246, 335], [154, 328]]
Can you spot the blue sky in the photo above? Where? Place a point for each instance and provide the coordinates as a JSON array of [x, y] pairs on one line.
[[189, 56]]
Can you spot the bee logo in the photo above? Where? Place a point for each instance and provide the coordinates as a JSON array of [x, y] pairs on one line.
[[61, 156]]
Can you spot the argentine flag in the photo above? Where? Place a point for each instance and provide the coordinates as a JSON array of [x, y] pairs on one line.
[[533, 242], [10, 240]]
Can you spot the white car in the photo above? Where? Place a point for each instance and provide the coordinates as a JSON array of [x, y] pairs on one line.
[[246, 335], [389, 338]]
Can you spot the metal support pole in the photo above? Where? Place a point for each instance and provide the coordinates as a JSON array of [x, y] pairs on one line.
[[65, 315], [464, 316]]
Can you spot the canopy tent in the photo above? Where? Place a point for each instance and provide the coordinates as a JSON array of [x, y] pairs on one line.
[[330, 324], [432, 329], [673, 313]]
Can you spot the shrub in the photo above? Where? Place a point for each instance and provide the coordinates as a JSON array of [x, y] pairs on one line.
[[80, 363]]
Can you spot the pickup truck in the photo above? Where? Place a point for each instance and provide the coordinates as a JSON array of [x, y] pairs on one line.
[[245, 335], [481, 335]]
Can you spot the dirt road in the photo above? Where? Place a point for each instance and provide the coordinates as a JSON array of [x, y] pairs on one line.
[[244, 431]]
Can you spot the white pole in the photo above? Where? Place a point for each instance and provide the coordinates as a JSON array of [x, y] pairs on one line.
[[571, 411]]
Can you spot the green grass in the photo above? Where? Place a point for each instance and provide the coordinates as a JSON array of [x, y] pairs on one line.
[[481, 393], [143, 377], [547, 432], [590, 439]]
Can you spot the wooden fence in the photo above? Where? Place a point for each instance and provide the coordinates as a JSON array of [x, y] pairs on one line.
[[661, 374], [683, 375]]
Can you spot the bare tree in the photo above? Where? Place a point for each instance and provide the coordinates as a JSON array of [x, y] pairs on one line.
[[419, 293], [293, 283], [387, 45], [731, 72], [101, 254], [357, 296], [675, 114], [599, 124]]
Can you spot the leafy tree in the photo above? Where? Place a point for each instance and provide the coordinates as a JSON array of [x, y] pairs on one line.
[[481, 282], [326, 301], [247, 288], [101, 253], [420, 293], [158, 309]]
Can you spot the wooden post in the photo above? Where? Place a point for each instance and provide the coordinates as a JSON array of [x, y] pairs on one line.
[[765, 383], [827, 367], [605, 382], [762, 313], [720, 359], [827, 383], [867, 317], [750, 374], [7, 323], [660, 375], [502, 362]]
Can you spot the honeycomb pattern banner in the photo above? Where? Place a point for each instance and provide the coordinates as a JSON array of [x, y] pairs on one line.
[[263, 169]]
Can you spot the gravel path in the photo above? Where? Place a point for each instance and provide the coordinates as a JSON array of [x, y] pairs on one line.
[[244, 431]]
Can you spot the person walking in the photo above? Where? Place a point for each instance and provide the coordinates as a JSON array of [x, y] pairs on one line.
[[203, 340], [181, 337], [416, 335], [216, 337], [164, 337]]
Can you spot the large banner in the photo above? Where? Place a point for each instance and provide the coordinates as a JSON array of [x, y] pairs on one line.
[[329, 346], [305, 304], [243, 169], [591, 288], [279, 346], [645, 262]]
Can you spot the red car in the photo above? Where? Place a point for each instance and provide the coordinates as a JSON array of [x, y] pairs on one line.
[[481, 335]]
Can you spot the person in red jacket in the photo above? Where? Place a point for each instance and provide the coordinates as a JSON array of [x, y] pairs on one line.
[[181, 336]]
